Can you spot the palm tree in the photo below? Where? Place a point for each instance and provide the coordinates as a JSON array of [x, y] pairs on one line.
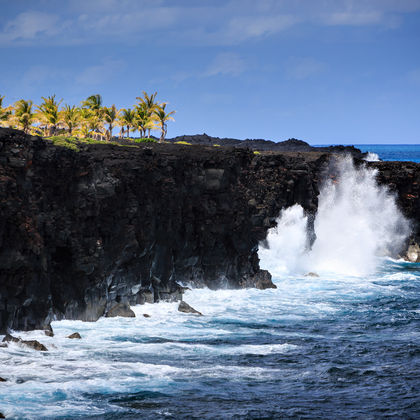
[[148, 104], [127, 118], [23, 114], [110, 115], [85, 115], [143, 120], [4, 112], [49, 114], [163, 118], [71, 117], [94, 104]]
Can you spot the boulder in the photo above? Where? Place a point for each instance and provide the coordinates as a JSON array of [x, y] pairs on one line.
[[121, 309], [2, 416], [311, 274], [74, 335], [260, 280], [413, 253], [48, 331], [33, 344], [184, 307], [146, 315], [2, 379]]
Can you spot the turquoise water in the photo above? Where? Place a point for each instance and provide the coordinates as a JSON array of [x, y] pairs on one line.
[[327, 347], [343, 343]]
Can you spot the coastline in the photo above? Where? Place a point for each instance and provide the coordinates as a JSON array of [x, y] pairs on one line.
[[111, 224]]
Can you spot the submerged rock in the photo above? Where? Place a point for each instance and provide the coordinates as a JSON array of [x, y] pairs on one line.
[[184, 307], [311, 274], [33, 344], [75, 335], [121, 309], [146, 315]]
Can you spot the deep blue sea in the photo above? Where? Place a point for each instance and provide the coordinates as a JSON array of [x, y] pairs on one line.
[[400, 152], [340, 343]]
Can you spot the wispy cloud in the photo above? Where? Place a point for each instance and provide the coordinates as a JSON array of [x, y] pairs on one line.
[[300, 68], [206, 22], [230, 64], [100, 73], [29, 26]]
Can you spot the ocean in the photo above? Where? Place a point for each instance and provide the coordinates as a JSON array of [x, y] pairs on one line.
[[339, 337]]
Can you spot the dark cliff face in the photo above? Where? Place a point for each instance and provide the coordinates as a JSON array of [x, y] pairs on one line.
[[82, 231]]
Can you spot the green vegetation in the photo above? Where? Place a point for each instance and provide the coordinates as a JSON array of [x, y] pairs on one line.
[[216, 145], [145, 140], [256, 152], [72, 142], [183, 142], [90, 120]]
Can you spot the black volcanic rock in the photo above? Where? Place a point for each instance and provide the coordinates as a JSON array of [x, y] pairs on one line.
[[184, 307], [121, 309], [81, 232], [291, 145], [33, 344]]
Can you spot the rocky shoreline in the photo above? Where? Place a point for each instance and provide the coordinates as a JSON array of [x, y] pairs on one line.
[[83, 232]]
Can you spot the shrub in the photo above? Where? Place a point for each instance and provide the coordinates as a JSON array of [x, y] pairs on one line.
[[183, 142], [216, 145], [256, 152], [145, 140]]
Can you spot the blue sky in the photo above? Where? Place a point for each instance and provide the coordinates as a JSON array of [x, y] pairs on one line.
[[324, 71]]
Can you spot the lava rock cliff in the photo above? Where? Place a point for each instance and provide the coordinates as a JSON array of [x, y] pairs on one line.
[[81, 232]]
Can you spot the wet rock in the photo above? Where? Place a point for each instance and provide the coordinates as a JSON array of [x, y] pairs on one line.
[[146, 315], [2, 416], [121, 309], [311, 274], [2, 379], [48, 331], [261, 280], [33, 344], [75, 335], [413, 253], [184, 307]]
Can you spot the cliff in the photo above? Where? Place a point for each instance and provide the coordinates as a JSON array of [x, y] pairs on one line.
[[83, 231], [291, 145]]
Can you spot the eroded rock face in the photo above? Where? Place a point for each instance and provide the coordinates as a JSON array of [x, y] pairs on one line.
[[81, 232]]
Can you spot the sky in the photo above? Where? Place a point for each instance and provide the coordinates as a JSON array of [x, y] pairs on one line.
[[323, 71]]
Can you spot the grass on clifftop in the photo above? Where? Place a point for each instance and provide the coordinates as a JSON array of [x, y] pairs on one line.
[[73, 143]]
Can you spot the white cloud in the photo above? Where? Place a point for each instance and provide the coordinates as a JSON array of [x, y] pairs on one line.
[[101, 73], [206, 22], [300, 68], [29, 26], [230, 64]]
